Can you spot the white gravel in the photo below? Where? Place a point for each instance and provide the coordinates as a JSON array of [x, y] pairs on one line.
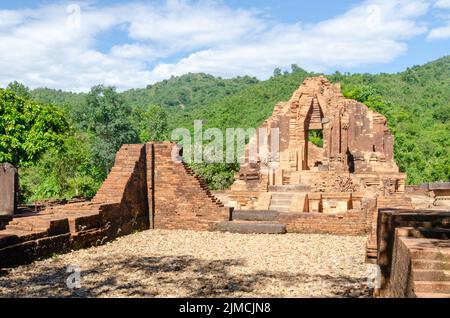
[[162, 263]]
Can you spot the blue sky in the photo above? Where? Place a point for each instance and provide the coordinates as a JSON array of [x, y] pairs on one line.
[[73, 45]]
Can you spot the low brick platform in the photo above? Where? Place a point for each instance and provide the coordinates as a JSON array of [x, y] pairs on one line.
[[253, 222], [344, 223], [352, 223], [248, 227]]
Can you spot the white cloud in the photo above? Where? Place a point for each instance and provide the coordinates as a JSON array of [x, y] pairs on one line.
[[193, 25], [48, 47], [440, 33], [442, 4], [373, 32], [135, 51]]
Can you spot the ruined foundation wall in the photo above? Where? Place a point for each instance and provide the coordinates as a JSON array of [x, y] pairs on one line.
[[400, 282], [119, 208]]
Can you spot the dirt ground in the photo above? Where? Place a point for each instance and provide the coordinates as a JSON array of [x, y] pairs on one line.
[[162, 263]]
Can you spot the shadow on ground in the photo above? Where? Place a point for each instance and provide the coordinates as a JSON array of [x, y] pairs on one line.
[[153, 276]]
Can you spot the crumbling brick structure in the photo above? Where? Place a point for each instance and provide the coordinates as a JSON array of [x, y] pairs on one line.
[[337, 184], [145, 189], [180, 199]]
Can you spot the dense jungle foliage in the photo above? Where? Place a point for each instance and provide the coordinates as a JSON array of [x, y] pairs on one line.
[[64, 143]]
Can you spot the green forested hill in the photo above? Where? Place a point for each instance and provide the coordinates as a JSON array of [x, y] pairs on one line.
[[416, 103], [187, 91]]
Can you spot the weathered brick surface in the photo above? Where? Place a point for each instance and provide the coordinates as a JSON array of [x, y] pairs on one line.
[[345, 223], [334, 188], [419, 268], [119, 208], [413, 252], [9, 189], [357, 152], [181, 199], [389, 220], [145, 189], [400, 283]]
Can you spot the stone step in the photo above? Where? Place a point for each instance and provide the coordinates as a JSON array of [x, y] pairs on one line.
[[430, 264], [435, 233], [431, 275], [432, 287], [371, 253], [279, 208], [296, 188], [283, 196], [431, 255], [432, 295], [247, 227], [254, 215], [25, 228], [281, 202]]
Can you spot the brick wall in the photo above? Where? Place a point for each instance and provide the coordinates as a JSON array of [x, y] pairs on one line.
[[119, 208], [145, 189], [181, 199], [390, 219], [126, 185], [401, 276], [413, 252], [345, 223]]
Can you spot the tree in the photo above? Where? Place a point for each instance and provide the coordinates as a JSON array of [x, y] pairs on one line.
[[106, 119], [295, 68], [28, 129], [152, 123], [64, 172], [442, 113], [19, 89], [277, 72]]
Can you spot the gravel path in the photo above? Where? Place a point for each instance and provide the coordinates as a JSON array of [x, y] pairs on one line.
[[201, 264]]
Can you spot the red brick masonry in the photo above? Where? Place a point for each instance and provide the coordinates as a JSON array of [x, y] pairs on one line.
[[181, 199], [120, 207], [413, 252], [345, 223]]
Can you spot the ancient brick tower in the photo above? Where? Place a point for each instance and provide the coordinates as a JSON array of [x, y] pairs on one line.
[[356, 156]]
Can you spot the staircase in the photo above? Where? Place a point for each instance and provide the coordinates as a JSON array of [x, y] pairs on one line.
[[280, 202], [394, 202], [252, 222], [282, 195], [203, 186], [431, 272], [316, 115]]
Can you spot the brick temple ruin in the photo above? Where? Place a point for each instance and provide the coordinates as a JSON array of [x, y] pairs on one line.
[[349, 185], [331, 188]]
